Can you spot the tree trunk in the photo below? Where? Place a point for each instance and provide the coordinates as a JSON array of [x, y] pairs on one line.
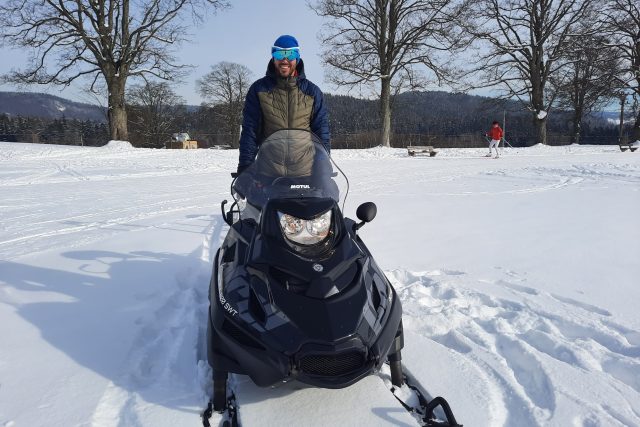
[[541, 129], [621, 124], [537, 97], [635, 132], [236, 123], [117, 110], [235, 136], [385, 112], [577, 126]]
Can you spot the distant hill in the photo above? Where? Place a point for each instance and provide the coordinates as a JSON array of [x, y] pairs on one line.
[[425, 112], [455, 118], [432, 117], [28, 104], [448, 119]]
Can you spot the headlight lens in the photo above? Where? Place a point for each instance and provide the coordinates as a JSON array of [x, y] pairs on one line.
[[291, 226], [320, 225], [303, 231]]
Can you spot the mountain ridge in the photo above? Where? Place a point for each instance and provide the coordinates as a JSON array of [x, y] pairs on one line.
[[43, 105]]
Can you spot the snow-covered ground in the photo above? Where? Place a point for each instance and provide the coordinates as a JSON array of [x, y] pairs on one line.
[[519, 279]]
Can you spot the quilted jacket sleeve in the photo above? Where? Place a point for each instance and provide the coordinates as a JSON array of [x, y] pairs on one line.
[[320, 117], [251, 126]]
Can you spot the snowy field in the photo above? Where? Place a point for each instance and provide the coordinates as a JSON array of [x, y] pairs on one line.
[[520, 282]]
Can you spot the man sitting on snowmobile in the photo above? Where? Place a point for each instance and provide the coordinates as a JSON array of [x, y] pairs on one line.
[[283, 99]]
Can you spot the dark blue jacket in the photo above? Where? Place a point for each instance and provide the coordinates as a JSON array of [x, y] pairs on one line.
[[253, 126]]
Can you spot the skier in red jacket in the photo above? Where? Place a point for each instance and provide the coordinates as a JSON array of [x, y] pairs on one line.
[[495, 133]]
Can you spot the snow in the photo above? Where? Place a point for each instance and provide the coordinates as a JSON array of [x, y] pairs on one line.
[[542, 114], [518, 278], [368, 402], [59, 106], [118, 145]]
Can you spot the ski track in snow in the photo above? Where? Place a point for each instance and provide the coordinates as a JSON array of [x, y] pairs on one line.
[[69, 227], [524, 346], [514, 181]]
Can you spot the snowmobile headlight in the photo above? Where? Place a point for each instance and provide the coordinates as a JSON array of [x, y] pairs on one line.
[[305, 231], [320, 225], [291, 226]]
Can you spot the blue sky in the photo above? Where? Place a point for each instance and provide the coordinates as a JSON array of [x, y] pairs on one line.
[[242, 34]]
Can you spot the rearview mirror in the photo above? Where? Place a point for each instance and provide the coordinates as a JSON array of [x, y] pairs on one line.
[[367, 211]]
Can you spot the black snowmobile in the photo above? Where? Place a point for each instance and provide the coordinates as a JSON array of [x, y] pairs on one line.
[[295, 294]]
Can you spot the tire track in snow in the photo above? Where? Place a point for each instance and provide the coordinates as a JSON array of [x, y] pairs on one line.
[[162, 363], [532, 347], [139, 210], [167, 365], [432, 310]]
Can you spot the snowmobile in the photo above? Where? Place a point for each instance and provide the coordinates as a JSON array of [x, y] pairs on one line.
[[295, 294]]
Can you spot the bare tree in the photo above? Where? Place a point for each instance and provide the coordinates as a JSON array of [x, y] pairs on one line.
[[525, 41], [154, 107], [112, 39], [585, 79], [391, 42], [225, 87], [622, 18]]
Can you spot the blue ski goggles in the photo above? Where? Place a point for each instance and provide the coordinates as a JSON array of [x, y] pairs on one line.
[[290, 54]]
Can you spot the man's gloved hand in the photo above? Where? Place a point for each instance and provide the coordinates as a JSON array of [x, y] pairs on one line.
[[239, 171]]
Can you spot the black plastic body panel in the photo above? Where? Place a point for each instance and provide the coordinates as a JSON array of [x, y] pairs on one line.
[[279, 316]]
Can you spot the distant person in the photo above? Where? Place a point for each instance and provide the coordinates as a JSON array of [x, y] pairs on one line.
[[495, 133], [283, 99]]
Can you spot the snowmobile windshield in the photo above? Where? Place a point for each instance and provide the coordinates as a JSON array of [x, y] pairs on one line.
[[291, 163]]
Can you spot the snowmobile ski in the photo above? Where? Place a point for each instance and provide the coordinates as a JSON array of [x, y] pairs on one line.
[[425, 410]]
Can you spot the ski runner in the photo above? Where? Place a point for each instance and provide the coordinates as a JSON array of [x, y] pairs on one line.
[[496, 134]]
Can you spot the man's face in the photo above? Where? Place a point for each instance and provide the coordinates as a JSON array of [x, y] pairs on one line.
[[285, 67]]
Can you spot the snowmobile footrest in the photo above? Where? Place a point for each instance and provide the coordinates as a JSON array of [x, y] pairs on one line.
[[429, 417], [231, 413]]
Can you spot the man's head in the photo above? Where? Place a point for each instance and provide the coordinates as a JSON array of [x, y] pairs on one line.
[[495, 123], [286, 53]]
